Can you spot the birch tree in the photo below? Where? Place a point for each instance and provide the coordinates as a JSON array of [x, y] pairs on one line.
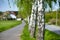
[[37, 15], [38, 22]]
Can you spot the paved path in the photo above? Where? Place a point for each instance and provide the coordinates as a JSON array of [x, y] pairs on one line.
[[13, 33], [53, 28]]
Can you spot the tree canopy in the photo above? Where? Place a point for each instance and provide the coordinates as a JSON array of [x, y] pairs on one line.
[[25, 6], [49, 2]]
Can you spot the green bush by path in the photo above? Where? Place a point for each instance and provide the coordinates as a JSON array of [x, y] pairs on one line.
[[26, 34], [51, 35], [4, 25], [50, 17]]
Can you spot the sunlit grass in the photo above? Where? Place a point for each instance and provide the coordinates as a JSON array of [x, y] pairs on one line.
[[48, 35], [51, 35], [4, 25]]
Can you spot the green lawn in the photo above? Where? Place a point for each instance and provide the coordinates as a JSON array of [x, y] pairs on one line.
[[4, 25], [48, 35], [51, 35]]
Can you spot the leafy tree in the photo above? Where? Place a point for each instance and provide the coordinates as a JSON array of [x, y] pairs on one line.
[[25, 7], [1, 13]]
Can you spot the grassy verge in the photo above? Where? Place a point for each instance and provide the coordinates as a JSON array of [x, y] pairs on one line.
[[26, 35], [51, 35], [48, 35], [4, 25]]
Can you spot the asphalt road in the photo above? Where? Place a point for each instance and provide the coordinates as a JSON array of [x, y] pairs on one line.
[[13, 33], [53, 28]]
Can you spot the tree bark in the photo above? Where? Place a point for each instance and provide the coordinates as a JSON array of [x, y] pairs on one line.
[[32, 22], [37, 20], [40, 22]]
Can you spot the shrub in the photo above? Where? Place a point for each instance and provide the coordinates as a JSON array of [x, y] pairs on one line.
[[52, 21], [59, 22]]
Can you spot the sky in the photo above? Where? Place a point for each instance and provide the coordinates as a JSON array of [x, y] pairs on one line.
[[54, 6], [4, 6]]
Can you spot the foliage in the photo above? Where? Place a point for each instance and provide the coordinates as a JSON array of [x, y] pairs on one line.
[[1, 13], [4, 25], [58, 22], [9, 4], [58, 15], [26, 34], [51, 35], [24, 7], [50, 17], [49, 2], [52, 21]]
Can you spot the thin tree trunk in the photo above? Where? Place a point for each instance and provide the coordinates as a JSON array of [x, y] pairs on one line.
[[56, 17], [36, 13], [32, 22], [9, 3]]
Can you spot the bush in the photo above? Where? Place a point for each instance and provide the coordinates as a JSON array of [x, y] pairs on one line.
[[52, 21], [49, 16], [59, 22]]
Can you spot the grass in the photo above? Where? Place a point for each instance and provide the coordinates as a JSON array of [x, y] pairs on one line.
[[51, 35], [48, 35], [26, 34], [5, 25]]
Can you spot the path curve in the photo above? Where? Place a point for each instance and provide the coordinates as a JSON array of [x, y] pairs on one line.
[[13, 33], [53, 28]]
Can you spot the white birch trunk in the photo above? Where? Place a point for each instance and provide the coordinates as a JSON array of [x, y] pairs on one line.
[[40, 20], [32, 22]]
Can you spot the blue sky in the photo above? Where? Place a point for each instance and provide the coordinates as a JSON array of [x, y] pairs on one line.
[[54, 6], [4, 6]]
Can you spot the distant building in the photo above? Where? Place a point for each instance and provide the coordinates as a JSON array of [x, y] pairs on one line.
[[12, 14], [9, 15]]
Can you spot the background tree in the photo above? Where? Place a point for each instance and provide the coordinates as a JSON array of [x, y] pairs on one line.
[[25, 7], [1, 14]]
